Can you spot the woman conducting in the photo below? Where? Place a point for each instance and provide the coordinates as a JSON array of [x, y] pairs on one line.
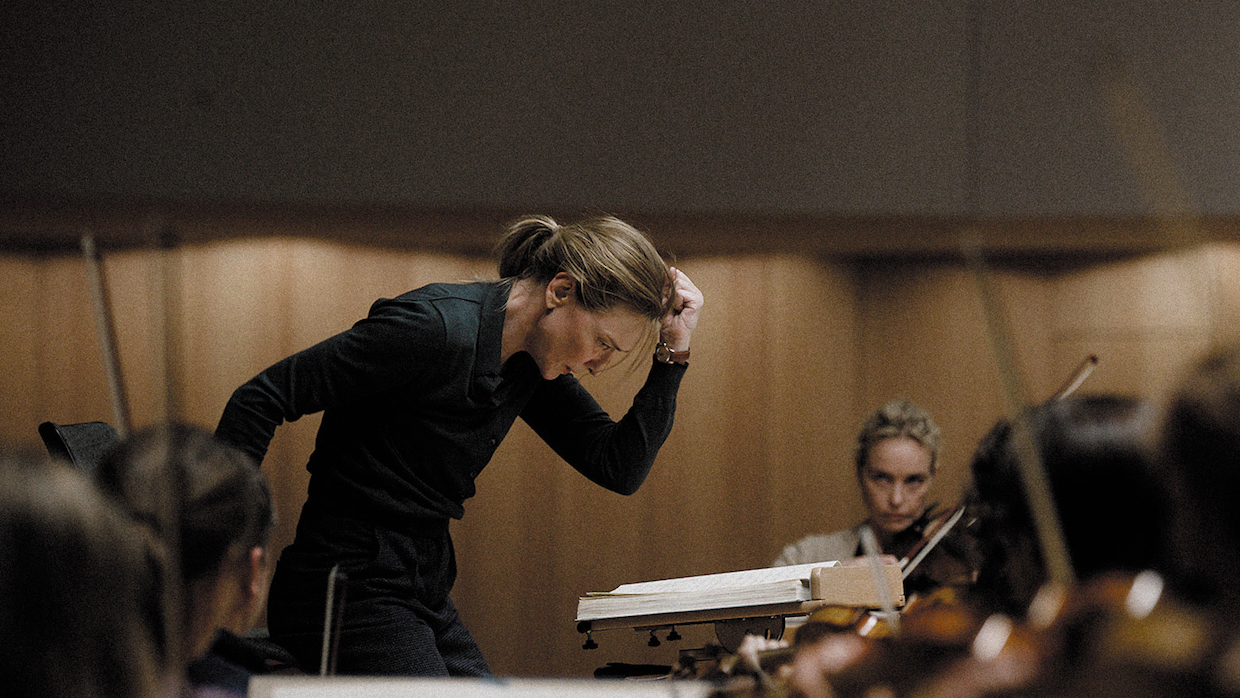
[[416, 398]]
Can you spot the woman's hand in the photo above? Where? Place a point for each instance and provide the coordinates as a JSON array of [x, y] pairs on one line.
[[678, 326], [753, 645]]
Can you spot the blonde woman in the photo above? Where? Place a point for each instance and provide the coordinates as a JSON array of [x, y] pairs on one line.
[[896, 457], [416, 398]]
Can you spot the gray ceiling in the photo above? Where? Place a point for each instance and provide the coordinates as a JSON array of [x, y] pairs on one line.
[[882, 107]]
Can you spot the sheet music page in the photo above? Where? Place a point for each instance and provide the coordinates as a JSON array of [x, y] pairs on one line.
[[594, 606], [724, 580]]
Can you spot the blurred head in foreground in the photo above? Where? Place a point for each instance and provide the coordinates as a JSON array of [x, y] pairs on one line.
[[221, 527], [73, 576], [1107, 489]]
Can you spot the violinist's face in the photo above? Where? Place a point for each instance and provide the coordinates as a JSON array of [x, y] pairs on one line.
[[894, 484]]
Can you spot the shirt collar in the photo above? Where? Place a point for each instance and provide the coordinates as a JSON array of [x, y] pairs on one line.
[[491, 337]]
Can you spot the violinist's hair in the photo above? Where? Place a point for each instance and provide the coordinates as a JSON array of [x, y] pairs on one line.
[[1109, 490], [225, 499], [1200, 440], [1201, 430], [895, 419], [73, 576], [613, 263]]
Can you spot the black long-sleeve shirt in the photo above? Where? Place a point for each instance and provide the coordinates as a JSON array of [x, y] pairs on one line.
[[415, 401]]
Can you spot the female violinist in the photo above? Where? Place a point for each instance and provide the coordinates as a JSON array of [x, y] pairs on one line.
[[896, 459], [1200, 440], [1111, 496], [1112, 499]]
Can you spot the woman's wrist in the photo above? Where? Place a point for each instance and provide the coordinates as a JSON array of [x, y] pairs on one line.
[[675, 342], [665, 354]]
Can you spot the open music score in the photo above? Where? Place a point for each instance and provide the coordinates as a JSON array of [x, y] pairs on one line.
[[768, 592]]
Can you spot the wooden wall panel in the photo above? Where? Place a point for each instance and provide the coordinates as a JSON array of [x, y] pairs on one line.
[[811, 325], [137, 302], [236, 302], [1146, 319], [72, 386], [791, 354], [1224, 271], [925, 338], [20, 386]]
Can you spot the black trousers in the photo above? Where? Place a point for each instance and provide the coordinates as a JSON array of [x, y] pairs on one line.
[[398, 619]]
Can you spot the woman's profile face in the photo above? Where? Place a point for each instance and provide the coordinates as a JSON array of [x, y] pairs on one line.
[[894, 484], [572, 340]]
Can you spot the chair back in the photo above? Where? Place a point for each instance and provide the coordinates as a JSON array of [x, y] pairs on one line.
[[83, 445]]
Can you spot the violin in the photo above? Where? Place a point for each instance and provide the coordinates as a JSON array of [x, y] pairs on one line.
[[937, 644], [939, 571], [947, 555], [1118, 634]]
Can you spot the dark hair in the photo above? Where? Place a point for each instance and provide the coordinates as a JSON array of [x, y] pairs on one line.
[[1201, 432], [1108, 490], [225, 499], [73, 577], [1200, 441]]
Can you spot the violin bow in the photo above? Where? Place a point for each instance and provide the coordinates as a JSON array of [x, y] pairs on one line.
[[337, 587], [908, 565], [1037, 489], [943, 524], [166, 290], [106, 331], [1076, 379], [1152, 163], [869, 543], [1032, 472]]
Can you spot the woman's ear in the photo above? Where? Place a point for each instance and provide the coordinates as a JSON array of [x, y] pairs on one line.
[[257, 571], [560, 290]]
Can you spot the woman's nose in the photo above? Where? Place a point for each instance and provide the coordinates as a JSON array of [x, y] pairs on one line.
[[598, 362], [898, 495]]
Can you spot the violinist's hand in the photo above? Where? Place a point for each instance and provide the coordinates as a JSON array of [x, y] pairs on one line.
[[808, 677], [679, 324], [752, 645], [863, 561]]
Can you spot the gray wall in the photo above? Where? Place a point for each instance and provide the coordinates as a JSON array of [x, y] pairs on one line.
[[884, 106]]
